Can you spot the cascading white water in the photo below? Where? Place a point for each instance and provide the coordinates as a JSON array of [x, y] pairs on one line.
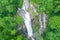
[[27, 22], [27, 19], [42, 20]]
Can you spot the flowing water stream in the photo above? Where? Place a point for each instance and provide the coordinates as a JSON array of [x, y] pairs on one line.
[[27, 19]]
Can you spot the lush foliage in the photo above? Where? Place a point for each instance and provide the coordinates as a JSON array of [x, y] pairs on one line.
[[8, 9], [53, 29], [48, 6], [9, 20]]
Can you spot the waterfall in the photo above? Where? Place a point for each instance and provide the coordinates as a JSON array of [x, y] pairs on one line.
[[26, 18], [42, 20]]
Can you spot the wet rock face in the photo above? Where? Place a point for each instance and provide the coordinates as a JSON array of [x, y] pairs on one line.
[[42, 23], [37, 21]]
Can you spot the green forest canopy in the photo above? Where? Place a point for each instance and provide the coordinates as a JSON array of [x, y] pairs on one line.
[[8, 9]]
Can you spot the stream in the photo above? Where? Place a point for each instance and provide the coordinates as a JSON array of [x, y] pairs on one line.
[[27, 19]]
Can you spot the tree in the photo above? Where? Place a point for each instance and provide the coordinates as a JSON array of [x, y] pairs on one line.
[[51, 7], [53, 29], [8, 8]]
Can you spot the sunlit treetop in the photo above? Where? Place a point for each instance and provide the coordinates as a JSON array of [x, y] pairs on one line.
[[9, 7], [48, 6]]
